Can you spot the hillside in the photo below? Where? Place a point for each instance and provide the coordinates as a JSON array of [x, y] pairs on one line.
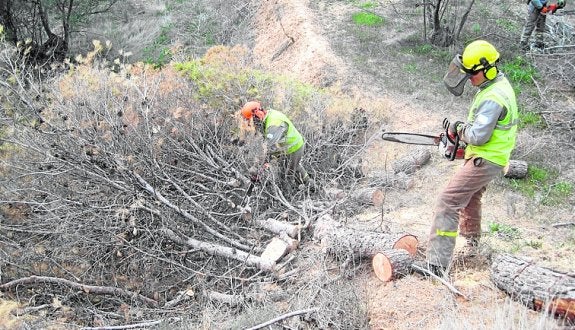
[[315, 48]]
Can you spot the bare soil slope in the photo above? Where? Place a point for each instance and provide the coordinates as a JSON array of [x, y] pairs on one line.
[[318, 43]]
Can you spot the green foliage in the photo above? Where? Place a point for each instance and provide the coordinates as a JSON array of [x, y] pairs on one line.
[[476, 28], [159, 54], [519, 71], [530, 119], [507, 25], [367, 19], [544, 184], [504, 231], [410, 67], [213, 79]]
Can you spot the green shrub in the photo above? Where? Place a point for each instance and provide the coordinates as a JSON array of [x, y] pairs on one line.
[[544, 183], [529, 118], [367, 19], [519, 71]]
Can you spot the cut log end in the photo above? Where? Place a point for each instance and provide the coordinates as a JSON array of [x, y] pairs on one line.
[[391, 264], [382, 267], [407, 243]]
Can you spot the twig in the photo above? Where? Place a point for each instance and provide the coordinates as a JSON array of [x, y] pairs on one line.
[[128, 326], [563, 224], [447, 284], [285, 316]]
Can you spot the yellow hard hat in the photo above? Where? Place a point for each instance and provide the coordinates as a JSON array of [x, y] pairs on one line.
[[479, 55]]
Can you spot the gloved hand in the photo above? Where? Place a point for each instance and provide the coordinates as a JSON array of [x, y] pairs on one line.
[[454, 129], [544, 10], [552, 8]]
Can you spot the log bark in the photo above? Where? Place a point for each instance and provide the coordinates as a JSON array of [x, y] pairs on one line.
[[344, 242], [369, 196], [412, 162], [516, 169], [392, 264], [277, 227], [536, 287]]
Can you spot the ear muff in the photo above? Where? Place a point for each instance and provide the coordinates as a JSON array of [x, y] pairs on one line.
[[489, 70]]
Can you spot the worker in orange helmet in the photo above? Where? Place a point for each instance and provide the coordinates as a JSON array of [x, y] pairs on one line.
[[283, 140]]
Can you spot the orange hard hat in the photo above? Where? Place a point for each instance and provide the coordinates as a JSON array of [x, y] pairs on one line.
[[251, 108]]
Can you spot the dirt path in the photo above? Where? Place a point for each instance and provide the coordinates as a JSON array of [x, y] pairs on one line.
[[312, 41]]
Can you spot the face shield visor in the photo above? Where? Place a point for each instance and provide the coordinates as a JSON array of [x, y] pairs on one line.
[[456, 76]]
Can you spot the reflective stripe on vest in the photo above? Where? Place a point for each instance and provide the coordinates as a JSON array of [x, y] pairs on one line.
[[445, 233]]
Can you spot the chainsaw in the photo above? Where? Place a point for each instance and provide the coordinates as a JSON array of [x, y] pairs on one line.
[[450, 148]]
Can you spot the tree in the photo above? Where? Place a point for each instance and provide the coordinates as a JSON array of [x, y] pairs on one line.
[[446, 20], [34, 23]]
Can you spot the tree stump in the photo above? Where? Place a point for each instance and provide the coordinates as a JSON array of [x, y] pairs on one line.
[[358, 243], [516, 169], [369, 196], [392, 264], [536, 287]]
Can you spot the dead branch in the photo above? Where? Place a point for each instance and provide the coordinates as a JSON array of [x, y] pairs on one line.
[[99, 290], [283, 317]]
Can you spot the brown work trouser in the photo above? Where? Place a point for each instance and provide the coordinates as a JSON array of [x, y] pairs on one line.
[[459, 204]]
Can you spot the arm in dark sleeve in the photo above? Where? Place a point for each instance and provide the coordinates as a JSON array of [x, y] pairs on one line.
[[480, 130], [274, 138]]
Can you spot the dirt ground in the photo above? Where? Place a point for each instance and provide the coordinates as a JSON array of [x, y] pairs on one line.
[[318, 30]]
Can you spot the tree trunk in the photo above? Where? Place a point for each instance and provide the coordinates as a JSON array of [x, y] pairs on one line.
[[516, 169], [369, 196], [412, 162], [345, 242], [536, 287], [392, 264]]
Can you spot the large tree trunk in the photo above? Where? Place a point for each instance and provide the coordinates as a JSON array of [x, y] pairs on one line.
[[358, 243], [537, 287]]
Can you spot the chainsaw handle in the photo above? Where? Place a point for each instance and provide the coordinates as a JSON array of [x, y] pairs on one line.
[[455, 147]]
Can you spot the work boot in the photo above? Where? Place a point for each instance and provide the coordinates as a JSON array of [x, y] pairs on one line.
[[423, 267], [524, 45], [540, 45]]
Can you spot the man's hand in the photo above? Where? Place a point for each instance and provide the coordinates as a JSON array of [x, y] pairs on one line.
[[454, 129], [552, 8]]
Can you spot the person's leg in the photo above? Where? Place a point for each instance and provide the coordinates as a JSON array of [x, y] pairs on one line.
[[528, 27], [296, 174], [470, 217], [540, 31], [466, 182]]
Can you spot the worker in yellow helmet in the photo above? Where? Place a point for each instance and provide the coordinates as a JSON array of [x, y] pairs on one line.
[[283, 140], [490, 133]]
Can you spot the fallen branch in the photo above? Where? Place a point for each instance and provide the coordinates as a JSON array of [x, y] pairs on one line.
[[100, 290], [128, 326], [283, 317], [447, 284]]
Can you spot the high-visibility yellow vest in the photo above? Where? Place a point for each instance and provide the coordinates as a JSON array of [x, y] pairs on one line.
[[293, 139], [499, 147]]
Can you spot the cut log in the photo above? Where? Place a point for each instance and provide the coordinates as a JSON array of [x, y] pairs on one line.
[[516, 169], [536, 287], [344, 242], [412, 162], [219, 250], [392, 264], [369, 196], [275, 250], [278, 227]]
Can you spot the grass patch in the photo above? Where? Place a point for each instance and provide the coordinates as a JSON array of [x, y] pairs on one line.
[[544, 185], [519, 71], [529, 118], [507, 25], [504, 231], [367, 19]]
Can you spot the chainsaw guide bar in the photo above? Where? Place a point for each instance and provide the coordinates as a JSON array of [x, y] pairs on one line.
[[412, 138]]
